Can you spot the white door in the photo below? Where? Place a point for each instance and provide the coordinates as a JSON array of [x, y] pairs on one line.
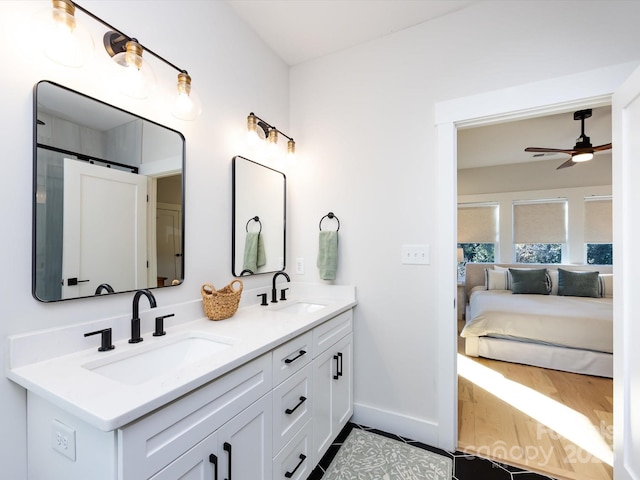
[[168, 242], [626, 175], [103, 241]]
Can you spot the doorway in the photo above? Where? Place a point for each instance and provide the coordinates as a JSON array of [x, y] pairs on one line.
[[541, 98]]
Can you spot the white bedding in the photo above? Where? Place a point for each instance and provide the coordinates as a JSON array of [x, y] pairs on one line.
[[575, 322]]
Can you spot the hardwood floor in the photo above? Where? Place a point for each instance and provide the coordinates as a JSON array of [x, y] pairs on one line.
[[573, 417]]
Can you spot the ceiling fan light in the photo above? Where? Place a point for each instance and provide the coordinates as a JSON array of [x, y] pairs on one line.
[[582, 157]]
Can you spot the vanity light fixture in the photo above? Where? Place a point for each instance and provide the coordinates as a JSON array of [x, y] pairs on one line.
[[257, 128], [137, 79], [65, 41]]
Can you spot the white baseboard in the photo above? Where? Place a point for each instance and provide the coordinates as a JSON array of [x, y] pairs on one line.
[[398, 424]]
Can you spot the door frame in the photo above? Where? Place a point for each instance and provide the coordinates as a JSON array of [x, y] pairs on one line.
[[559, 95]]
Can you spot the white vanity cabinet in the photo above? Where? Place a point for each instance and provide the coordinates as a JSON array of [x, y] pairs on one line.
[[332, 381], [271, 418]]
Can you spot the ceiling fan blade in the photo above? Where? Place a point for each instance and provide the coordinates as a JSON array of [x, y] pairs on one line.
[[550, 150], [568, 163], [600, 148]]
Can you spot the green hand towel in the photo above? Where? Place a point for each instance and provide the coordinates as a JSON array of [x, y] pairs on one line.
[[328, 255], [261, 255], [254, 253]]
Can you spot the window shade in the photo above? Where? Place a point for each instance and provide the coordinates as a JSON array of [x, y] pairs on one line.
[[477, 224], [540, 222], [598, 224]]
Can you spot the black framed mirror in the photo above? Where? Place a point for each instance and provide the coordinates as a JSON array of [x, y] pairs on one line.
[[108, 198], [259, 218]]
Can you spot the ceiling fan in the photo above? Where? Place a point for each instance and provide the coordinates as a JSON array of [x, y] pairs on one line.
[[582, 151]]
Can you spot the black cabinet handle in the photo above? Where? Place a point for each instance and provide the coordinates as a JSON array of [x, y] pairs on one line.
[[338, 359], [291, 360], [227, 448], [289, 411], [302, 459], [213, 459]]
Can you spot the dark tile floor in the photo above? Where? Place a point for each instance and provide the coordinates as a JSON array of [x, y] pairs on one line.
[[465, 466]]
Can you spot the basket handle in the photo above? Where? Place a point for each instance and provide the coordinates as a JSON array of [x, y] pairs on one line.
[[239, 289], [207, 289]]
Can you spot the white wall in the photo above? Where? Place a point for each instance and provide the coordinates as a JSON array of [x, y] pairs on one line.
[[364, 119], [234, 73]]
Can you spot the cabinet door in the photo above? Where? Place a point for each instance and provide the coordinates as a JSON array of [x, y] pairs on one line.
[[245, 443], [332, 394], [199, 463]]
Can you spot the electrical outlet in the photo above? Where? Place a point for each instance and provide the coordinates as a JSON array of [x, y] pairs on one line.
[[416, 254], [300, 266], [63, 439]]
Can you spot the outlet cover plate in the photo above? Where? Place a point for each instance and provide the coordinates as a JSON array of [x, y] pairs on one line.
[[63, 439]]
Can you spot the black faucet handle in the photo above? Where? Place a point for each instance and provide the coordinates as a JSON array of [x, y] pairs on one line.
[[264, 298], [283, 293], [105, 342], [160, 325]]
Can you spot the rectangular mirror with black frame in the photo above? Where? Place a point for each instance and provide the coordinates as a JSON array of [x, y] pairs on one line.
[[108, 198], [259, 218]]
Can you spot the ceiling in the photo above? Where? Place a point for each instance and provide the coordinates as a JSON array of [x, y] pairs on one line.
[[505, 143], [301, 30]]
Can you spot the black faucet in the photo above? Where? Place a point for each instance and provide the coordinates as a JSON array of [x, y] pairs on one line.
[[274, 292], [135, 319], [104, 286]]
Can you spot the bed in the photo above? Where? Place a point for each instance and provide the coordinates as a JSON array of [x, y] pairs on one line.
[[551, 316]]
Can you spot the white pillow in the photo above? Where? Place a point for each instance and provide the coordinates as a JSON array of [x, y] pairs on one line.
[[495, 279], [605, 285], [553, 276]]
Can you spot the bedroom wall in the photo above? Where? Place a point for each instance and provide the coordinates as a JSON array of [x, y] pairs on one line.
[[363, 119], [231, 69], [538, 175]]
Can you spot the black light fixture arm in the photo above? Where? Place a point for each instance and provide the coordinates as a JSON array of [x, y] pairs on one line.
[[269, 126], [125, 38]]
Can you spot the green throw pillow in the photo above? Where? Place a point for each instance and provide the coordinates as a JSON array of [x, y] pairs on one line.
[[578, 284], [529, 281]]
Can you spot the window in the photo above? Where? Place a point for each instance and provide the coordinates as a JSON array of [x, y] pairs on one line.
[[539, 230], [598, 230], [478, 231]]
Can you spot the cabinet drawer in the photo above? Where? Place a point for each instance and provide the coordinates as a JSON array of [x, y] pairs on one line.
[[291, 357], [295, 460], [292, 406], [331, 331], [148, 444]]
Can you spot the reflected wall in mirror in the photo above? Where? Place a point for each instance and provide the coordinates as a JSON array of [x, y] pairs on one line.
[[108, 211], [259, 218]]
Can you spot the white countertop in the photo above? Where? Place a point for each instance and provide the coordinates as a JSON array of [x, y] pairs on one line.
[[109, 404]]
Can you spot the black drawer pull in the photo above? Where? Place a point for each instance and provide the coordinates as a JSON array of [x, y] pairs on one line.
[[302, 459], [213, 459], [338, 359], [289, 411], [291, 360], [227, 448]]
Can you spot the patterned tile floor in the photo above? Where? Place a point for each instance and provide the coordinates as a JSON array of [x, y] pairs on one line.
[[465, 466]]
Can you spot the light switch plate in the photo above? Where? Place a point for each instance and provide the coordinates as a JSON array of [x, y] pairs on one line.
[[416, 254]]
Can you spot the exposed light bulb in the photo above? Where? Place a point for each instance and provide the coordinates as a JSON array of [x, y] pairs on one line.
[[186, 104], [252, 130], [272, 148], [291, 152], [65, 41], [137, 79]]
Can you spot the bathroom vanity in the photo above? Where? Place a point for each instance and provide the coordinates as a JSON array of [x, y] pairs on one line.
[[255, 397]]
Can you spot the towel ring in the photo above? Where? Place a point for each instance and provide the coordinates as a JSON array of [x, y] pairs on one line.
[[254, 219], [329, 215]]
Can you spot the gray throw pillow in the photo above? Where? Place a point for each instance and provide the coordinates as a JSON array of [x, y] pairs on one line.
[[578, 284], [529, 281]]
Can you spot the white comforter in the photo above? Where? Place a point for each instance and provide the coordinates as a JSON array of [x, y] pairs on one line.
[[576, 322]]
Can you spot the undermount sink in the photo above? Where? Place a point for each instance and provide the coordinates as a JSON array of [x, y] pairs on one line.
[[301, 307], [136, 367]]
